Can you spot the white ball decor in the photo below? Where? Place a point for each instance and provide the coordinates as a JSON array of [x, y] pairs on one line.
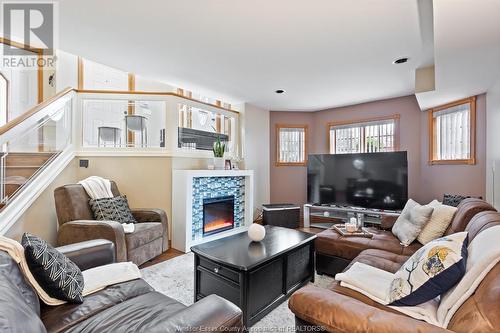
[[256, 232]]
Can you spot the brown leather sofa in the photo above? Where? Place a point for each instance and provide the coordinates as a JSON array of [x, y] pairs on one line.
[[334, 252], [131, 306], [77, 224], [339, 309]]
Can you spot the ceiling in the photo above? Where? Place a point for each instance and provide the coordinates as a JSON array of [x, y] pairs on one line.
[[467, 50], [324, 54]]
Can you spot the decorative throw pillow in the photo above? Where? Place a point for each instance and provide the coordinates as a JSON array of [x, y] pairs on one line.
[[453, 199], [57, 275], [412, 220], [431, 271], [441, 217], [112, 209]]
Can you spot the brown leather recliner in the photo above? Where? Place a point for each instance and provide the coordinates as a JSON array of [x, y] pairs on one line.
[[339, 309], [77, 224], [334, 252]]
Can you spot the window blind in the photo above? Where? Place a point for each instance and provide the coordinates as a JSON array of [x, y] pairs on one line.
[[367, 137], [452, 127], [291, 145]]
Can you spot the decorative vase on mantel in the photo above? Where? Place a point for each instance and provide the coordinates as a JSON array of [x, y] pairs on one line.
[[219, 149]]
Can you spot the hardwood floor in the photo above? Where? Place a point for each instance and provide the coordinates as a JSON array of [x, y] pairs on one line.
[[169, 254], [172, 253]]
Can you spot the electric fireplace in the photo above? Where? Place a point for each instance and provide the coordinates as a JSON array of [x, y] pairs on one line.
[[218, 215]]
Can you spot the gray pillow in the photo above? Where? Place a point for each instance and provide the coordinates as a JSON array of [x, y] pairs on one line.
[[412, 220]]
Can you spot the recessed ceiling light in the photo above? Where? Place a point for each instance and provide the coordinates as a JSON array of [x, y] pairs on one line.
[[279, 91], [400, 61]]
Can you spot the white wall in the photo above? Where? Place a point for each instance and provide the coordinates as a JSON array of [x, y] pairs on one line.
[[23, 89], [493, 145], [256, 138], [66, 70], [145, 84], [101, 77]]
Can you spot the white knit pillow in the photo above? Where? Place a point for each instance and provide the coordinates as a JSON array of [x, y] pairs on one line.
[[441, 217]]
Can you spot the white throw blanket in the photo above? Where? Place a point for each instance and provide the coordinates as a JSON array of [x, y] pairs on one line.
[[100, 188], [375, 283], [95, 279], [100, 277], [483, 255], [97, 187]]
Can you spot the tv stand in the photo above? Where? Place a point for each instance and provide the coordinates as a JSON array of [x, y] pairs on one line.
[[332, 214]]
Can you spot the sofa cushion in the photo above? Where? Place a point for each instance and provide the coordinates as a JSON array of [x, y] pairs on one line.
[[16, 315], [329, 242], [112, 209], [144, 233], [412, 220], [466, 210], [57, 275], [384, 260], [145, 313], [438, 223], [60, 318], [431, 271], [10, 271]]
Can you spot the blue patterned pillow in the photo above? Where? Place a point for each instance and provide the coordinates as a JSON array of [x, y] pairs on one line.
[[112, 209], [431, 271], [57, 274]]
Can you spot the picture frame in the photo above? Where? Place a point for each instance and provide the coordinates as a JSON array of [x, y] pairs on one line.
[[227, 165]]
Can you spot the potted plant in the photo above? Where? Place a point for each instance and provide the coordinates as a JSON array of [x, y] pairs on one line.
[[219, 149]]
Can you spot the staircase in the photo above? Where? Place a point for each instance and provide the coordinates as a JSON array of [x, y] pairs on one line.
[[35, 148], [20, 167]]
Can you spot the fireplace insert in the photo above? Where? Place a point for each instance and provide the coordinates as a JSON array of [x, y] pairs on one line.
[[218, 215]]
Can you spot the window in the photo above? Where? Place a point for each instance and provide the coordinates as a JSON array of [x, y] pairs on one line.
[[452, 133], [364, 136], [291, 145]]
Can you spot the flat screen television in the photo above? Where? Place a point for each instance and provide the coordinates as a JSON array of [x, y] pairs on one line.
[[368, 180]]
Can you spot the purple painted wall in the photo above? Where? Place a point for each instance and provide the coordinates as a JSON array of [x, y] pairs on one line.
[[288, 183], [462, 179]]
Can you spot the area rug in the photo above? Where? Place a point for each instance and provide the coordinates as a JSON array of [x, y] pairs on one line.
[[175, 278]]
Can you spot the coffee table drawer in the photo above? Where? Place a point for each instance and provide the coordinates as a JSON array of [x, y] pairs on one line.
[[220, 270], [210, 283]]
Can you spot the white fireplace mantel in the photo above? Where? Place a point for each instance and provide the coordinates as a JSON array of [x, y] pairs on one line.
[[182, 205]]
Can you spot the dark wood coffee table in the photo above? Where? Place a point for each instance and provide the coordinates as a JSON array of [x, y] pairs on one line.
[[255, 276]]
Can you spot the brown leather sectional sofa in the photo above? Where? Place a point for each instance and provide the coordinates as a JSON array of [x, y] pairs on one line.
[[339, 309], [131, 306], [334, 252]]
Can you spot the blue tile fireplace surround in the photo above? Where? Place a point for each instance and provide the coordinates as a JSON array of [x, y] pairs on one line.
[[225, 197], [216, 187]]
